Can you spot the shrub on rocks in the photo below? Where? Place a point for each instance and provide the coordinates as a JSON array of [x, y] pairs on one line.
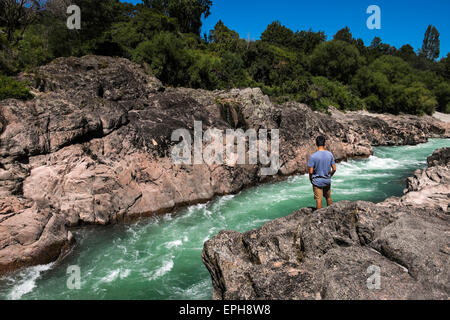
[[10, 88]]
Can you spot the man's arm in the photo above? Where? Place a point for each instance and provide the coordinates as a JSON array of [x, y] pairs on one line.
[[311, 171], [333, 166], [333, 170]]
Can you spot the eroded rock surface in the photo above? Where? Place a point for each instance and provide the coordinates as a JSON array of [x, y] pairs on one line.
[[93, 147], [331, 253], [431, 187]]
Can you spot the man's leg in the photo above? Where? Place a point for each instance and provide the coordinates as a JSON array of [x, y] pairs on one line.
[[318, 195], [327, 194], [319, 203]]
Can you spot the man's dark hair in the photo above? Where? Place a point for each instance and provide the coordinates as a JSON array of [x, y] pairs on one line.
[[320, 141]]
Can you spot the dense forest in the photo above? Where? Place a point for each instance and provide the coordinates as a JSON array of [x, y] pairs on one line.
[[165, 37]]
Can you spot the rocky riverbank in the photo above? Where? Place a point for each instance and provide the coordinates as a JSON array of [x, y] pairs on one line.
[[333, 253], [93, 147]]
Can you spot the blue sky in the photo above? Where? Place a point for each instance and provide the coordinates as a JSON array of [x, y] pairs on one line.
[[402, 21]]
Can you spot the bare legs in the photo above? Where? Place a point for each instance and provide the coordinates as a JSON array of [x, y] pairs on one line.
[[320, 193], [319, 203]]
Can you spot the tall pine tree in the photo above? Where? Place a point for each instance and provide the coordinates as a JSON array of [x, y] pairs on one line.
[[431, 44]]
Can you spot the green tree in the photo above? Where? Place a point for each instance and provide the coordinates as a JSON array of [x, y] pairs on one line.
[[33, 49], [389, 84], [375, 88], [272, 65], [359, 43], [232, 72], [164, 34], [394, 68], [406, 52], [377, 48], [167, 57], [307, 41], [203, 72], [336, 60], [442, 94], [344, 35], [189, 13], [145, 24], [97, 18], [222, 34], [415, 99], [222, 38], [18, 15], [444, 67], [278, 34], [323, 93], [431, 44]]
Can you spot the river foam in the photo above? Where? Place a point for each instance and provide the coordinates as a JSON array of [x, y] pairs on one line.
[[25, 281]]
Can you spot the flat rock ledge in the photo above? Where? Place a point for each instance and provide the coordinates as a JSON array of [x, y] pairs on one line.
[[335, 252], [93, 147]]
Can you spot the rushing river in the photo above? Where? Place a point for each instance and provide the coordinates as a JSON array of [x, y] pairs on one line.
[[160, 258]]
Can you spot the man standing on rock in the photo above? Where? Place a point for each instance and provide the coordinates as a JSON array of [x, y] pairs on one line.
[[321, 168]]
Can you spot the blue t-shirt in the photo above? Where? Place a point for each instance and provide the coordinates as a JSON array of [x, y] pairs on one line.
[[321, 161]]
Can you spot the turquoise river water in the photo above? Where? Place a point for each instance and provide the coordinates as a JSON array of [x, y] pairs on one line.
[[160, 257]]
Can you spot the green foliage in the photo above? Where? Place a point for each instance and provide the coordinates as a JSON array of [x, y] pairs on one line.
[[377, 49], [344, 35], [212, 72], [307, 41], [444, 67], [10, 88], [415, 99], [33, 49], [279, 35], [223, 39], [167, 57], [286, 65], [389, 84], [203, 73], [97, 17], [336, 60], [127, 35], [395, 69], [372, 83], [6, 62], [273, 67], [188, 13], [16, 16], [323, 93], [407, 53], [442, 93], [231, 72]]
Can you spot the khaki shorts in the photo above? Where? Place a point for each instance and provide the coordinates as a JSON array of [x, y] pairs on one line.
[[319, 193]]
